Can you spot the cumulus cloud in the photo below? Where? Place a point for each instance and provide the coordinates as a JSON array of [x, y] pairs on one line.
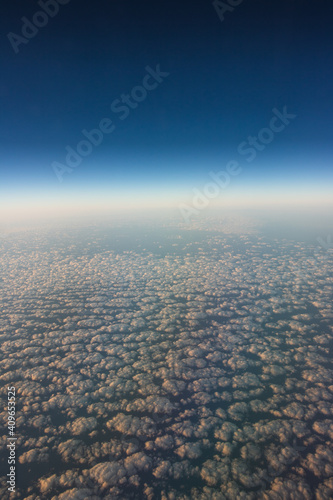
[[137, 372]]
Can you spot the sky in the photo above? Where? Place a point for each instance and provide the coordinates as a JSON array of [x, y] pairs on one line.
[[205, 83]]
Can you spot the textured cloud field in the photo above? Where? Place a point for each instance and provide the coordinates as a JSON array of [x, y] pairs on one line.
[[197, 366]]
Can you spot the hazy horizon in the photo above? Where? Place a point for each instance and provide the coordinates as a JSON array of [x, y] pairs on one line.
[[166, 250]]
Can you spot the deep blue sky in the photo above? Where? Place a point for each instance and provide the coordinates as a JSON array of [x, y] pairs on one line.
[[225, 79]]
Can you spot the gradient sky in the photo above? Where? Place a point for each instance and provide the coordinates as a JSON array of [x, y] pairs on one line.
[[225, 79]]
